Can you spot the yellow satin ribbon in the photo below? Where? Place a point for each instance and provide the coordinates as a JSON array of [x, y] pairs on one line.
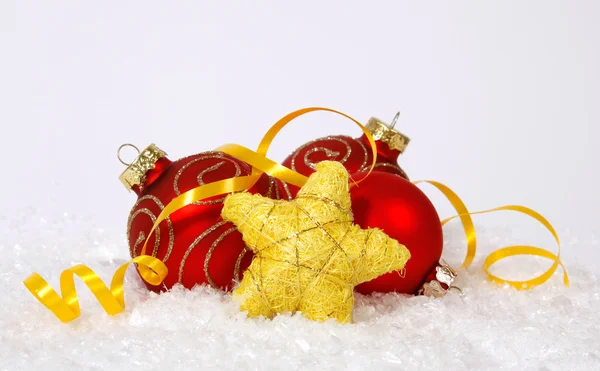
[[505, 252], [154, 271], [113, 300], [260, 164]]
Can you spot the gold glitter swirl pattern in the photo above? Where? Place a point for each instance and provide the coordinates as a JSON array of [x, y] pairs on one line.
[[132, 216], [331, 155], [153, 218], [210, 252], [200, 176], [238, 264], [193, 246], [238, 172], [141, 238], [271, 185], [207, 156], [286, 188], [364, 165]]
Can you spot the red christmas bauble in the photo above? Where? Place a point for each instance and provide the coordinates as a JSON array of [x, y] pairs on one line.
[[354, 153], [195, 244], [403, 212]]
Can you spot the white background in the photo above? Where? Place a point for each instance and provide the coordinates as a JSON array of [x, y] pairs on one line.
[[501, 99]]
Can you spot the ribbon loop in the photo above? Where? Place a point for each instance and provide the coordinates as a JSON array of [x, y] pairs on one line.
[[465, 218], [506, 252], [151, 269], [154, 271], [260, 164], [509, 251]]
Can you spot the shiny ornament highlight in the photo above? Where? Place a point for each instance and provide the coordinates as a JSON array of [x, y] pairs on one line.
[[405, 213]]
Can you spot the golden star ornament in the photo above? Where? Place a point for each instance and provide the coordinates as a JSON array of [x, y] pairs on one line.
[[309, 255]]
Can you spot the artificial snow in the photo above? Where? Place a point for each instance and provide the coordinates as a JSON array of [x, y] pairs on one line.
[[487, 327]]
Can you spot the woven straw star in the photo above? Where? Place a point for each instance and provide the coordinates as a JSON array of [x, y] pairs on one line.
[[308, 253]]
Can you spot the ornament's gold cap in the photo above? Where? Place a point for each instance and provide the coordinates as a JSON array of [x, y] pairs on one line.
[[387, 134], [135, 174], [443, 274]]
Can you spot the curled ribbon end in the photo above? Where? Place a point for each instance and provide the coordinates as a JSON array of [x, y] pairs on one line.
[[525, 250], [67, 308], [465, 217], [46, 295], [152, 270], [566, 280]]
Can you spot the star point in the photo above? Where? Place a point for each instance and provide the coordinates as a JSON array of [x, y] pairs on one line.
[[309, 255]]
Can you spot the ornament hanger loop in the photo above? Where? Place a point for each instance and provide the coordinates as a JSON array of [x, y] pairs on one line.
[[119, 152], [395, 120]]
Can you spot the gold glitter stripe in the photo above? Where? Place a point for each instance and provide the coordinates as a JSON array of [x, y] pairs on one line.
[[287, 190], [207, 156], [365, 157], [193, 245], [238, 264], [199, 178], [331, 155], [153, 217], [277, 195], [141, 238], [328, 152], [270, 190], [210, 252]]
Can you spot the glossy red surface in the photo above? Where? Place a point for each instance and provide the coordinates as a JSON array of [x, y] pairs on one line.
[[203, 249], [355, 154], [404, 212]]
